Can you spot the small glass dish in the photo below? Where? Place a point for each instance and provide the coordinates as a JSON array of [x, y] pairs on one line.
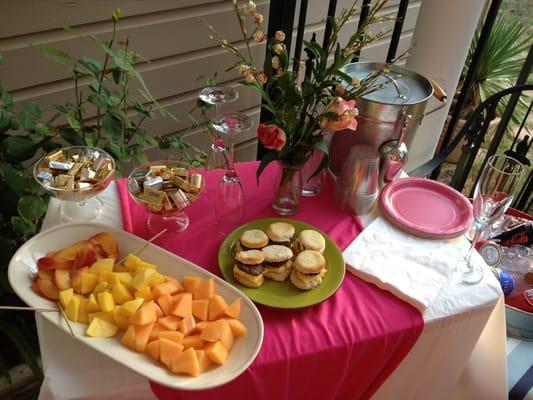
[[166, 188], [75, 175]]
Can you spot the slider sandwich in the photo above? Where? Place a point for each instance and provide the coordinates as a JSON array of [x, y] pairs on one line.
[[253, 239], [309, 269], [281, 233], [277, 262], [248, 269], [309, 240]]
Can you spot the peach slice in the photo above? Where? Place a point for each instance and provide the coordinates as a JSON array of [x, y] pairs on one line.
[[105, 244], [62, 279], [48, 289]]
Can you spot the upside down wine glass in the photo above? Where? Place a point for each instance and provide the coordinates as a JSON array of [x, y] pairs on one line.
[[229, 206], [493, 195], [216, 96]]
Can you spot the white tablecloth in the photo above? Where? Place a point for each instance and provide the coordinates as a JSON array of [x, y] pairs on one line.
[[459, 355]]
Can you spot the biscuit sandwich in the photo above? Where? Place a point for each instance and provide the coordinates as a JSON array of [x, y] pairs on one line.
[[309, 269], [253, 239], [248, 268], [277, 262], [281, 233], [309, 239]]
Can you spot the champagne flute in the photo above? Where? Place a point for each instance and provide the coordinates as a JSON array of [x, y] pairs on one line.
[[229, 207], [493, 195]]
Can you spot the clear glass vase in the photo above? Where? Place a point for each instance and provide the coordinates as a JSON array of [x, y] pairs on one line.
[[287, 198], [311, 185]]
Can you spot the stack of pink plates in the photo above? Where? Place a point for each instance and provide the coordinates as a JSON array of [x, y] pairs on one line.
[[426, 208]]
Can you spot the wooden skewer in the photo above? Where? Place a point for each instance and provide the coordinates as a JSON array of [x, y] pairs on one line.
[[143, 246], [66, 319], [36, 309]]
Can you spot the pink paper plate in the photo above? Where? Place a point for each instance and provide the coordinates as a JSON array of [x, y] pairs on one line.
[[426, 208]]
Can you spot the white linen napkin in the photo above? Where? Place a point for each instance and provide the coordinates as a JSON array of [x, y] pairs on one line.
[[411, 268]]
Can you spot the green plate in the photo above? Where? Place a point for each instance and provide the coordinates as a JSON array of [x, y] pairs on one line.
[[284, 294]]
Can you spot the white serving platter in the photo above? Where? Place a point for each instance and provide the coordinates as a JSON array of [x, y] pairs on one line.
[[23, 266]]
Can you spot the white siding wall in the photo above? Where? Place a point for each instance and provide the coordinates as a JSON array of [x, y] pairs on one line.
[[167, 32]]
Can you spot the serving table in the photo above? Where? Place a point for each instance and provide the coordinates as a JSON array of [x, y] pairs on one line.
[[460, 351]]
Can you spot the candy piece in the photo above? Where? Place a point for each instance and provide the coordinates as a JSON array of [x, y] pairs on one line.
[[75, 169], [60, 166], [64, 181], [179, 199], [153, 183], [55, 156], [197, 182]]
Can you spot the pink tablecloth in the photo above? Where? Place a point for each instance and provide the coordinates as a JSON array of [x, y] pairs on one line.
[[343, 348]]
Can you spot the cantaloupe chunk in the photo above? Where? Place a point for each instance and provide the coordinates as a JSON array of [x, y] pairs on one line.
[[178, 296], [170, 322], [106, 301], [152, 349], [108, 316], [92, 304], [200, 326], [144, 293], [213, 331], [128, 339], [203, 360], [166, 302], [168, 287], [200, 309], [158, 312], [186, 325], [226, 336], [103, 264], [156, 279], [65, 296], [234, 309], [142, 334], [191, 283], [120, 293], [216, 352], [217, 307], [171, 335], [121, 317], [237, 327], [88, 282], [194, 341], [186, 363], [156, 330], [73, 309], [168, 351], [101, 328], [144, 315], [183, 307], [205, 290]]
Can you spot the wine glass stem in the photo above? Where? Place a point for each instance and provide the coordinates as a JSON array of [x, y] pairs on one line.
[[228, 157], [477, 234]]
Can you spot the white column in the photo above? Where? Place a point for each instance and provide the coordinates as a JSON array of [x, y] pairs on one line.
[[443, 33]]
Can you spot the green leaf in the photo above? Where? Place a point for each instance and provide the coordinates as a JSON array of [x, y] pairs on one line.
[[72, 136], [97, 100], [41, 129], [61, 108], [12, 178], [15, 336], [117, 74], [35, 188], [73, 120], [57, 55], [140, 155], [31, 208], [5, 120], [26, 121], [123, 64], [22, 226], [33, 109], [112, 126], [267, 159], [17, 148], [91, 65], [120, 151], [6, 98], [1, 59], [323, 165]]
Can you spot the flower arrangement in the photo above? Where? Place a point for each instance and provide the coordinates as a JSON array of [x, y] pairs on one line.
[[311, 99]]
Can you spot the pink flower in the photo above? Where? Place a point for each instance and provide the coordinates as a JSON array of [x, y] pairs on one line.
[[249, 77], [280, 36], [340, 88], [259, 36], [278, 48], [261, 78], [258, 18], [346, 111], [249, 8], [271, 136]]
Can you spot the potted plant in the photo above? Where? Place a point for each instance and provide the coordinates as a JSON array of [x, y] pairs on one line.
[[24, 136], [498, 67]]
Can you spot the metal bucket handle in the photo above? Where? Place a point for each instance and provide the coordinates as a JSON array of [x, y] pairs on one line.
[[439, 94]]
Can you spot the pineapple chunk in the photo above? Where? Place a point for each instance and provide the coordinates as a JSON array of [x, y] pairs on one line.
[[88, 282], [73, 309], [65, 296], [106, 301], [121, 294], [103, 264], [101, 328]]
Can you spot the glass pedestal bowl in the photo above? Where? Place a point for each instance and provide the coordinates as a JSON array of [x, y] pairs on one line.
[[166, 188], [75, 175]]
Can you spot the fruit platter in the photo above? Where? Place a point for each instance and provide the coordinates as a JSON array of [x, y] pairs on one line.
[[150, 310]]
